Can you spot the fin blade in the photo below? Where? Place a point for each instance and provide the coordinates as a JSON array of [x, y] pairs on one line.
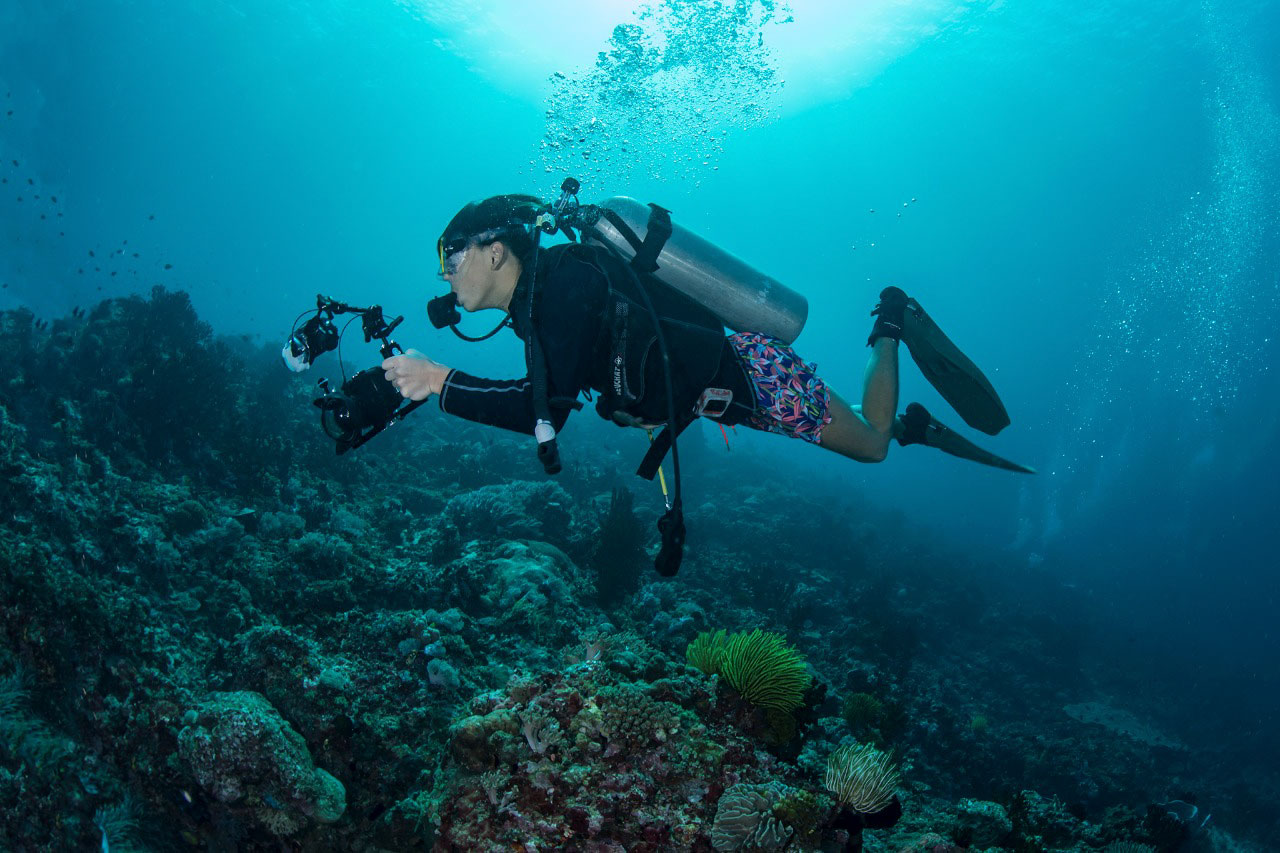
[[960, 382], [941, 437]]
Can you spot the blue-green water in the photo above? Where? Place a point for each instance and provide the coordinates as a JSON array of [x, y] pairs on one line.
[[1086, 200]]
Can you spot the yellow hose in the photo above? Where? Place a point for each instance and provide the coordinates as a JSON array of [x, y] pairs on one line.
[[662, 478]]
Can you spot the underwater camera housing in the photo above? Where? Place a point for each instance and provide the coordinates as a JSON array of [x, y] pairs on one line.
[[366, 403]]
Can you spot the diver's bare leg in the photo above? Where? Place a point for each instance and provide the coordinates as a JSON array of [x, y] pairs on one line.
[[863, 432]]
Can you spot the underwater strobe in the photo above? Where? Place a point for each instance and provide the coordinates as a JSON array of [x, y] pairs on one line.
[[367, 403]]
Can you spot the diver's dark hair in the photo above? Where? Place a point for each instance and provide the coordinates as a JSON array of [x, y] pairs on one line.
[[499, 218]]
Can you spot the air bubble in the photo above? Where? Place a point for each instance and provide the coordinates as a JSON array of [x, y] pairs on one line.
[[671, 75]]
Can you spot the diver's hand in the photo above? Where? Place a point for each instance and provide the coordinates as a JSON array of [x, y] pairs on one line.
[[414, 375]]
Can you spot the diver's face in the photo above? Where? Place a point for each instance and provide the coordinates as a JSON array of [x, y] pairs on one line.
[[466, 278], [484, 277]]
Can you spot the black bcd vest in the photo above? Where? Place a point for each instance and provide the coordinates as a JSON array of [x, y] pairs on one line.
[[627, 373]]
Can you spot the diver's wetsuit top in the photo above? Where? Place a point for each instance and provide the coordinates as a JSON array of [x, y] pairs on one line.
[[570, 326]]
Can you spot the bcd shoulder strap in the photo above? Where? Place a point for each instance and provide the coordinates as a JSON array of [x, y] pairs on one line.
[[657, 232], [643, 265], [671, 525]]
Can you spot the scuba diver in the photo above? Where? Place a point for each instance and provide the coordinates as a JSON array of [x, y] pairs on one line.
[[633, 309]]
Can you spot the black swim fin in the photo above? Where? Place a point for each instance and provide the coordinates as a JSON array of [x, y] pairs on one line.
[[957, 379], [917, 426]]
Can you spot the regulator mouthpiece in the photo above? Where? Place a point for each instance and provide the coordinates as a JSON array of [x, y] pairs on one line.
[[443, 311]]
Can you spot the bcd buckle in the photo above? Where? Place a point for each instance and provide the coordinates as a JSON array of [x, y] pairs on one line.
[[713, 403]]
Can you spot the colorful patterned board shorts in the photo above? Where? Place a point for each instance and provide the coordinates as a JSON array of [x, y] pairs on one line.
[[790, 398]]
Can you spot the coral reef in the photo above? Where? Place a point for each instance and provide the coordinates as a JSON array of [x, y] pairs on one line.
[[745, 818], [215, 633], [240, 750], [583, 756]]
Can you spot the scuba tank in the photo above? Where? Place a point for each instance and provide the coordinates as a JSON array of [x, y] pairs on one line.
[[745, 299]]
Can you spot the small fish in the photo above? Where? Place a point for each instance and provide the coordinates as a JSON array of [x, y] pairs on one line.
[[168, 266], [31, 182], [113, 273], [152, 216], [91, 253], [80, 271], [135, 254], [53, 198]]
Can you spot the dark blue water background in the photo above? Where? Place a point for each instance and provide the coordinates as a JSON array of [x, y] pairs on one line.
[[1094, 220]]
